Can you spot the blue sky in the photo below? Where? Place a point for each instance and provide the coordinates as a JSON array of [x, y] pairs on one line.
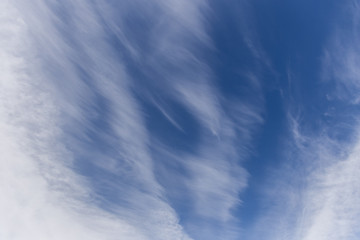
[[181, 119]]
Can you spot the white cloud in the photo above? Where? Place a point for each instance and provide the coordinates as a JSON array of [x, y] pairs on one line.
[[342, 55], [58, 66], [315, 194], [331, 200], [43, 101]]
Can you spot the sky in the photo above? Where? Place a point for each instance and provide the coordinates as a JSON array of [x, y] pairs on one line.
[[179, 119]]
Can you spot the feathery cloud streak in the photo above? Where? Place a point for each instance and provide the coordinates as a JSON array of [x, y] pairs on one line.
[[314, 195], [78, 157]]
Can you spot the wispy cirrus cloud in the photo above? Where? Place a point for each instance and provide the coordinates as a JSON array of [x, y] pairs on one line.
[[79, 156], [314, 195], [53, 95], [332, 198], [212, 178], [341, 55]]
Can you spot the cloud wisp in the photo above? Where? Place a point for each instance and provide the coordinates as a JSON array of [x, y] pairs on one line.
[[315, 194], [78, 160], [53, 85]]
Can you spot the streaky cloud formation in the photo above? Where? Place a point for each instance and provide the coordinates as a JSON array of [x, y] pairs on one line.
[[78, 162], [315, 194], [65, 204], [181, 119]]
